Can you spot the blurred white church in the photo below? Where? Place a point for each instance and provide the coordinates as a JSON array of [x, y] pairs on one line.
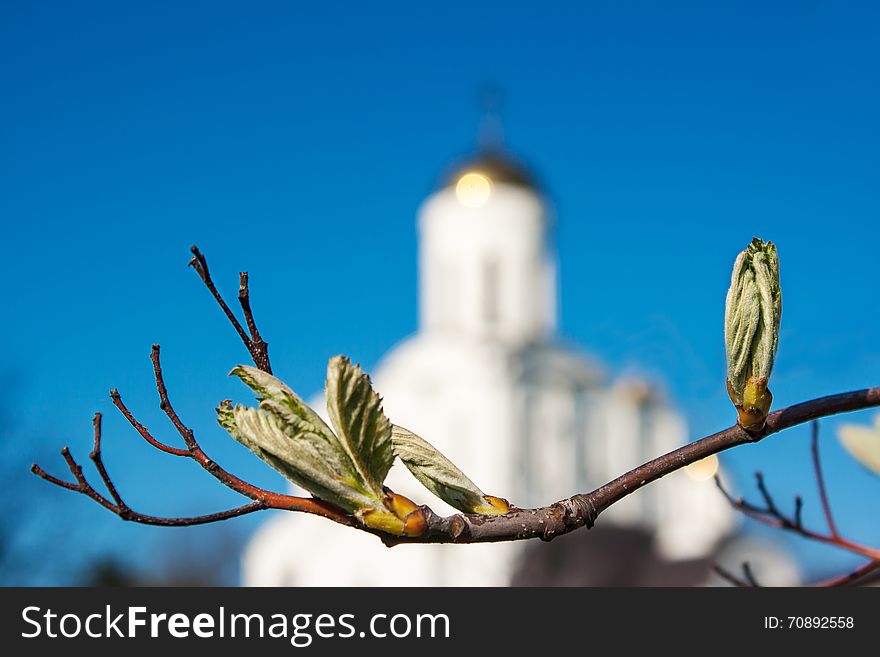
[[487, 380]]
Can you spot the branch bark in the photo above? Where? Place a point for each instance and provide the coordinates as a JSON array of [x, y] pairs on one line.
[[261, 498], [770, 514], [253, 341], [580, 510]]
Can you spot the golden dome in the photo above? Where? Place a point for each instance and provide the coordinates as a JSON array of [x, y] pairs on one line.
[[496, 167]]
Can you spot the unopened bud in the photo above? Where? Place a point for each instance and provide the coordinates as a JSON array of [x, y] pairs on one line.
[[494, 506], [751, 331], [401, 516]]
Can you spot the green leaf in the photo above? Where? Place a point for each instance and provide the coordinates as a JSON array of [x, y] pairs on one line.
[[276, 397], [356, 413], [346, 467], [441, 476], [296, 452], [279, 400], [863, 443], [291, 437]]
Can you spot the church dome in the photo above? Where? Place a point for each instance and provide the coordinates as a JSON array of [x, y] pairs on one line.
[[496, 165]]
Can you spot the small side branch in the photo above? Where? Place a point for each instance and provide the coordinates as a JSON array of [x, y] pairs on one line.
[[769, 514], [259, 348], [747, 580], [117, 505], [95, 456], [728, 576], [253, 341], [852, 577], [260, 498], [820, 480]]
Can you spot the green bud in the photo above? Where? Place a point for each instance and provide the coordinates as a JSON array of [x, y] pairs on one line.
[[751, 331]]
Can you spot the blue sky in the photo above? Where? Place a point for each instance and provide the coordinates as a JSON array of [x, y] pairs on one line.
[[297, 141]]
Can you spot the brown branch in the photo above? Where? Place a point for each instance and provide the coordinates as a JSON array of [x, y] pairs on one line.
[[730, 577], [770, 515], [195, 451], [96, 458], [184, 431], [261, 498], [798, 511], [117, 506], [256, 346], [259, 348], [820, 480], [749, 574], [142, 430], [746, 581], [852, 577], [580, 510], [546, 523], [768, 500]]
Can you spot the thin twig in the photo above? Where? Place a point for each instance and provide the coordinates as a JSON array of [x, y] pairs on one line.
[[820, 480], [774, 518], [256, 346], [127, 513], [749, 574], [768, 500], [118, 506], [851, 577], [195, 451], [730, 577], [96, 458], [259, 348], [184, 431], [142, 430], [200, 264], [798, 511], [261, 498]]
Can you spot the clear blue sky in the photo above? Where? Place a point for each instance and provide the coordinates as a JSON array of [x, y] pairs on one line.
[[297, 140]]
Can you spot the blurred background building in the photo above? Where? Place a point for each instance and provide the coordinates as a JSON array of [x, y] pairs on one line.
[[529, 417]]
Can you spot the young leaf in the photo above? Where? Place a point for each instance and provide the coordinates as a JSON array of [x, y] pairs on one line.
[[297, 453], [440, 475], [276, 397], [863, 443], [346, 467], [356, 413]]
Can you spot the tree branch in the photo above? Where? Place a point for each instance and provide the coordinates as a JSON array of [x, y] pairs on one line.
[[119, 507], [259, 348], [746, 581], [256, 346], [725, 574], [262, 499], [770, 515], [852, 577], [580, 510], [546, 523], [820, 480]]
